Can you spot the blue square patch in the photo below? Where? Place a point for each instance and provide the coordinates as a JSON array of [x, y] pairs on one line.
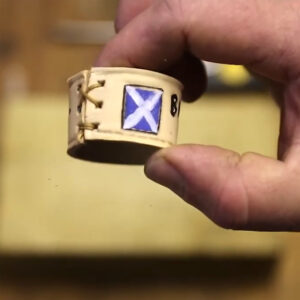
[[142, 109]]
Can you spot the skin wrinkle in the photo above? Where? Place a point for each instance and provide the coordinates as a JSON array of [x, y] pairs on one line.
[[260, 35], [263, 8], [238, 28], [188, 26], [290, 39], [225, 215], [271, 184], [173, 14], [166, 23], [231, 220], [217, 212], [288, 35], [168, 5], [135, 8], [185, 27], [282, 29], [180, 190], [178, 12], [188, 193], [245, 158]]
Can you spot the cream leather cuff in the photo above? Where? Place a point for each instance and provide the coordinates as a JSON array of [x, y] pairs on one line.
[[122, 115]]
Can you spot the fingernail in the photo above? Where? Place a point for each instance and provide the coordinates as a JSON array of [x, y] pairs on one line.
[[161, 171]]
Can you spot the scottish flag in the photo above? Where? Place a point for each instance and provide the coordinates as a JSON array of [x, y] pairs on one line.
[[142, 108]]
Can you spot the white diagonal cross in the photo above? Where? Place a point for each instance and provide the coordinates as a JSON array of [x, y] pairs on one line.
[[144, 109]]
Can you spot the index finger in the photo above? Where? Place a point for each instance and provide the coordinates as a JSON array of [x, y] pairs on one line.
[[128, 9], [235, 32]]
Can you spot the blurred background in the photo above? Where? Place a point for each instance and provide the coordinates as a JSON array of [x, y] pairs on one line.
[[76, 230]]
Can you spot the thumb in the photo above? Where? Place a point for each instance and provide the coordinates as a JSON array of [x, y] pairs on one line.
[[232, 190]]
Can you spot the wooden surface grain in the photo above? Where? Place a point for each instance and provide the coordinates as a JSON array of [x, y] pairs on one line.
[[74, 230], [53, 204]]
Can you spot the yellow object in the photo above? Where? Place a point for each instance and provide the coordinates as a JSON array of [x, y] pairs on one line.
[[233, 75]]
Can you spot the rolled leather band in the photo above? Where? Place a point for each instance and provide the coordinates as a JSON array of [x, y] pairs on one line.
[[122, 115]]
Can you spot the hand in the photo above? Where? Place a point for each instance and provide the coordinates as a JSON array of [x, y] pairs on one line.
[[236, 191]]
